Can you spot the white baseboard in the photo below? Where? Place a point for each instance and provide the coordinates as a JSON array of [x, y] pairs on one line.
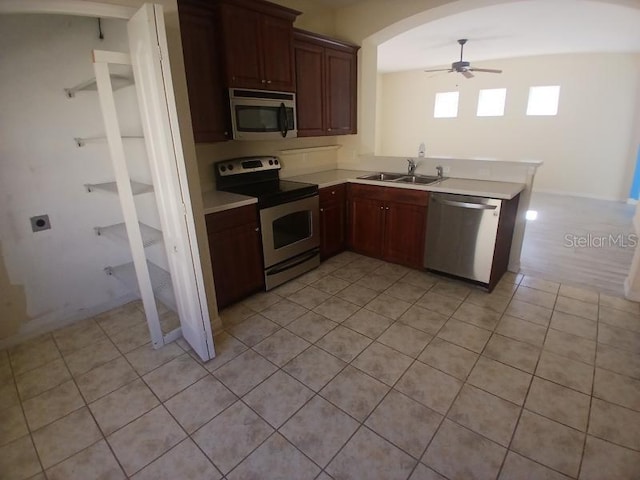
[[632, 201], [630, 294], [47, 324], [578, 194]]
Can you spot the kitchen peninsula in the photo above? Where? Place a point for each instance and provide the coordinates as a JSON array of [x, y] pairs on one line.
[[403, 239]]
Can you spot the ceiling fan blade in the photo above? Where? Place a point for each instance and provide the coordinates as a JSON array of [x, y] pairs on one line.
[[467, 74], [439, 70], [486, 70]]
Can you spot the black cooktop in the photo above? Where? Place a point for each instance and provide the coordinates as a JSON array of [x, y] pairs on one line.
[[274, 192], [260, 177]]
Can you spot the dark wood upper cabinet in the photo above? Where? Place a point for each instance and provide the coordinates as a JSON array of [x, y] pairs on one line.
[[208, 98], [309, 58], [232, 43], [341, 92], [326, 85], [277, 59], [242, 56], [258, 44]]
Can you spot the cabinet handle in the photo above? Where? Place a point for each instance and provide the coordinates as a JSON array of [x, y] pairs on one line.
[[257, 229], [387, 208], [333, 192], [381, 208], [322, 209], [269, 81], [328, 129], [264, 81]]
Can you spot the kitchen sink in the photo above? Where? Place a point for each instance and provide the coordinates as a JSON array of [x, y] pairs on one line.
[[419, 179], [383, 176], [402, 178]]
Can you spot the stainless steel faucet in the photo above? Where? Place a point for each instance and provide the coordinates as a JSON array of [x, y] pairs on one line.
[[439, 171], [411, 168]]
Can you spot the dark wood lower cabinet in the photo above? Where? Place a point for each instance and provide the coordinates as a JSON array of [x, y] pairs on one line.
[[333, 220], [388, 223], [236, 253], [405, 227]]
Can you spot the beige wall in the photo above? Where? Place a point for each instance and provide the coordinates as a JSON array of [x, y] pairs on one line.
[[372, 22], [585, 148]]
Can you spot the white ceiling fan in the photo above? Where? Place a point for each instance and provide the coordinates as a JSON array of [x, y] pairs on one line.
[[464, 67]]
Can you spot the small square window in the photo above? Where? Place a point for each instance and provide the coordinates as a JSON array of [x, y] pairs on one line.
[[446, 105], [543, 100], [491, 102]]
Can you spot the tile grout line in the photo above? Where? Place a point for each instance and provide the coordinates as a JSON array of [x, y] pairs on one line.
[[524, 401], [86, 405], [593, 386]]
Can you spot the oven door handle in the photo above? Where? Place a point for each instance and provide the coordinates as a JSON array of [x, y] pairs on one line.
[[297, 261], [282, 120]]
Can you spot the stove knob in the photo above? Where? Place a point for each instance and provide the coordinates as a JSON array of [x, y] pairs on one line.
[[275, 161], [230, 167], [270, 162], [223, 168]]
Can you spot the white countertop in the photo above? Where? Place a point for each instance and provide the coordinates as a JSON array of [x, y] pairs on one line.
[[461, 186], [215, 201]]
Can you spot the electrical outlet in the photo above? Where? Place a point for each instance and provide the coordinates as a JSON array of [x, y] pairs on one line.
[[40, 223]]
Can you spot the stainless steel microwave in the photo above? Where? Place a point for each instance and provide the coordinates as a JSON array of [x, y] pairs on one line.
[[262, 115]]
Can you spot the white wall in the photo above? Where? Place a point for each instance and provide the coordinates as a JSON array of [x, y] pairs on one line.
[[586, 148], [59, 272]]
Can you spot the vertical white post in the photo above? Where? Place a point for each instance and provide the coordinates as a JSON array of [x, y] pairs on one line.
[[154, 87], [125, 194]]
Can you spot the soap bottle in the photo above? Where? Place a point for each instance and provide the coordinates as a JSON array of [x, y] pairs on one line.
[[422, 150]]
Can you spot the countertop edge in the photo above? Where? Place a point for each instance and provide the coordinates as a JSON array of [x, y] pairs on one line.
[[229, 206], [351, 176], [340, 177]]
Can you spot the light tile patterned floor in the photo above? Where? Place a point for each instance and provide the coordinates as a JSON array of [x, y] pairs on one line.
[[357, 370]]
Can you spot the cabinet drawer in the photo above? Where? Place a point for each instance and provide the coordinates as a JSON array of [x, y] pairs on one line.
[[368, 191], [404, 195], [333, 194], [235, 217]]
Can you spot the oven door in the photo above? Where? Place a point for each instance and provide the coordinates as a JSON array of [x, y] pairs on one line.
[[289, 229]]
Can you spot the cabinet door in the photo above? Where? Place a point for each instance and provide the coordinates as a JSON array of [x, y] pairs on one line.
[[405, 227], [332, 221], [366, 226], [243, 62], [237, 263], [277, 54], [340, 94], [203, 68], [309, 61]]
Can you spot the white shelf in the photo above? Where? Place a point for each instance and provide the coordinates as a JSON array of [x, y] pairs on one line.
[[117, 81], [112, 187], [160, 281], [81, 142], [150, 235]]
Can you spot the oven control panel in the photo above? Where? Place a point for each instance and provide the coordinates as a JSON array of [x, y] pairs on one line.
[[243, 165]]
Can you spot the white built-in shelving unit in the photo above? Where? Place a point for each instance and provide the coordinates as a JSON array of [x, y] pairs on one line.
[[141, 276], [117, 82]]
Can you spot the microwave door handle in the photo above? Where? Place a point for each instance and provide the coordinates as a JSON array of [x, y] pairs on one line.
[[282, 119]]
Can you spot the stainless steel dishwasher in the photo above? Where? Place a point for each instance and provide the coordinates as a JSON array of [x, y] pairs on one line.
[[461, 235]]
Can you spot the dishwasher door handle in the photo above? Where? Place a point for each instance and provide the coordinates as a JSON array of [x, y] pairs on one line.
[[475, 206]]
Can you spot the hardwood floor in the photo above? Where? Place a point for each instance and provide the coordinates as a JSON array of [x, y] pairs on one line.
[[552, 247]]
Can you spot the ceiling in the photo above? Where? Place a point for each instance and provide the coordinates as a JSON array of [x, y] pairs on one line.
[[518, 29], [338, 3]]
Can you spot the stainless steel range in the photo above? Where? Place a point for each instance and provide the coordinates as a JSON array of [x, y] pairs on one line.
[[288, 215]]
